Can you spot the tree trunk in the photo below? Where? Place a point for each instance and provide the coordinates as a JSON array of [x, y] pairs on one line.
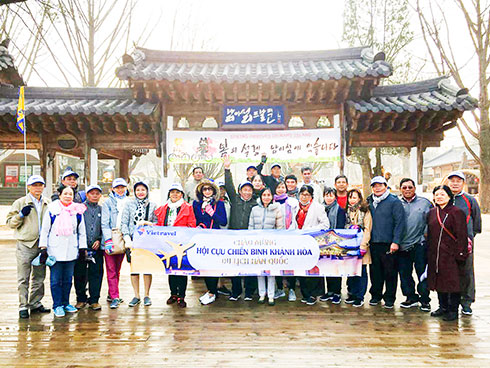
[[377, 169], [484, 191], [366, 177]]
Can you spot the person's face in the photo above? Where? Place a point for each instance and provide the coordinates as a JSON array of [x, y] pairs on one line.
[[291, 184], [251, 172], [441, 198], [378, 189], [198, 174], [266, 198], [276, 171], [341, 185], [70, 181], [94, 196], [304, 197], [456, 184], [307, 176], [207, 191], [120, 190], [408, 190], [175, 195], [246, 192], [36, 190], [354, 199], [140, 192], [329, 198], [222, 192], [66, 196], [281, 189], [257, 183]]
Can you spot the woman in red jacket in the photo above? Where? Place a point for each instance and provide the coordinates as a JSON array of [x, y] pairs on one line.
[[176, 212]]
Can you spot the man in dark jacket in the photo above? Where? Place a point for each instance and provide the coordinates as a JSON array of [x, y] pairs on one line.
[[470, 207], [70, 179], [241, 206], [386, 235], [274, 178]]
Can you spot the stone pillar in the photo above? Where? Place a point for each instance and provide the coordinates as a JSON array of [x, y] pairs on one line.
[[94, 167]]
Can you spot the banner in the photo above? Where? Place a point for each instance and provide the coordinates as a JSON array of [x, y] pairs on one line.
[[206, 252], [255, 115], [308, 145]]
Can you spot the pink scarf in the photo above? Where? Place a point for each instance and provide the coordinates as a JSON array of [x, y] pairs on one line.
[[63, 220]]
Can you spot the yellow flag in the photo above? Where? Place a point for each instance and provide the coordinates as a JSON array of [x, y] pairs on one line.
[[21, 118]]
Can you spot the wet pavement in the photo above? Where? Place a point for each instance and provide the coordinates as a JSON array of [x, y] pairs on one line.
[[240, 333]]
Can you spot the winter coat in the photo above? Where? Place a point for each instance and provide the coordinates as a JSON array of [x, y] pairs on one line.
[[204, 220], [316, 218], [473, 221], [62, 247], [26, 229], [269, 181], [92, 217], [293, 204], [269, 217], [416, 212], [388, 220], [240, 209], [109, 216], [128, 223], [190, 189], [446, 257], [339, 221], [365, 221], [185, 215]]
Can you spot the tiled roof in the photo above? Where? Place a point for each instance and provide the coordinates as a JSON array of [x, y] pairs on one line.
[[254, 67], [85, 101], [454, 155], [434, 94], [8, 71]]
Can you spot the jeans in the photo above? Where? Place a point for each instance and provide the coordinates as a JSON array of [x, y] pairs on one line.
[[60, 281], [178, 285], [383, 273], [113, 268], [212, 284], [334, 285], [416, 256], [271, 286], [358, 284], [249, 282], [91, 273]]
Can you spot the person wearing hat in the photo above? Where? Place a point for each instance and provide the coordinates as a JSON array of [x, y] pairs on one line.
[[112, 210], [137, 212], [69, 178], [251, 172], [470, 207], [25, 217], [176, 212], [91, 270], [274, 178], [389, 224], [190, 186], [210, 214], [241, 206]]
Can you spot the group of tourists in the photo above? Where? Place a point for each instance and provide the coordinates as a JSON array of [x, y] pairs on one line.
[[73, 234]]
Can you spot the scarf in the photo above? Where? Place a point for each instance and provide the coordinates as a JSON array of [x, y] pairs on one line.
[[280, 198], [301, 216], [332, 211], [173, 211], [377, 200], [140, 210], [63, 220], [205, 202], [355, 216], [293, 193]]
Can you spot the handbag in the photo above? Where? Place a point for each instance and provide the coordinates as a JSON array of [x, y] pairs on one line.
[[119, 246]]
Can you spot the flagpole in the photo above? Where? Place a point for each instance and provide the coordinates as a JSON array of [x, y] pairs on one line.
[[25, 153]]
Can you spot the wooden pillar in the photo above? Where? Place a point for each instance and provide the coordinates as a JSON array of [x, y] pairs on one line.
[[94, 167], [163, 130], [342, 127], [124, 168], [43, 155], [86, 159], [420, 159]]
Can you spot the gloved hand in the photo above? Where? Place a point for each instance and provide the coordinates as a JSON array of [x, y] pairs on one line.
[[44, 256], [128, 255], [109, 246], [263, 158], [82, 254], [209, 210], [26, 210]]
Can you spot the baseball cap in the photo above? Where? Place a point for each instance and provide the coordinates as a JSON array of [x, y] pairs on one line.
[[252, 167], [245, 183], [176, 186], [378, 180], [91, 187], [69, 173], [35, 179], [458, 173], [275, 164], [119, 181]]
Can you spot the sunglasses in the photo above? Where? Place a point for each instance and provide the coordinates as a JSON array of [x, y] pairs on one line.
[[207, 188], [410, 187]]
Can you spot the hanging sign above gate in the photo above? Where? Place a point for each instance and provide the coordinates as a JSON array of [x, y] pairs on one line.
[[259, 116]]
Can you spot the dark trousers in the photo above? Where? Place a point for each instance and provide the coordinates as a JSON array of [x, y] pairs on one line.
[[449, 301], [383, 273], [290, 280], [60, 280], [178, 285], [249, 282], [357, 285], [91, 273], [406, 261], [212, 284], [467, 282], [334, 285], [310, 286]]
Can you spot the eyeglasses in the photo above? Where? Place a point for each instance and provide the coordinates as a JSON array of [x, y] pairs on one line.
[[305, 194], [409, 187], [206, 188]]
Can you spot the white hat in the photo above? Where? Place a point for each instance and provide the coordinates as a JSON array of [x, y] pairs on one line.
[[176, 186], [119, 181], [459, 174], [69, 173], [35, 179], [91, 187], [379, 180]]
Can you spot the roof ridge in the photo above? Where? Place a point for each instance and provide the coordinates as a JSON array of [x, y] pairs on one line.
[[428, 85], [67, 93]]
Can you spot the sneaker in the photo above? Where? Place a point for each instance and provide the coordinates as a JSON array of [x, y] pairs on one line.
[[279, 293], [24, 313], [438, 312], [95, 306], [292, 295], [134, 302], [358, 303], [248, 298], [204, 296], [70, 309], [109, 299], [424, 307], [234, 298], [326, 297], [409, 304], [208, 299], [261, 300], [181, 303], [304, 300], [173, 299], [466, 310], [115, 303], [388, 305], [272, 301], [80, 305], [147, 301], [59, 312], [311, 300], [223, 290], [350, 299], [336, 299], [374, 301]]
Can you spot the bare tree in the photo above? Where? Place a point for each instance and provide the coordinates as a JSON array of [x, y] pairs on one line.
[[438, 36]]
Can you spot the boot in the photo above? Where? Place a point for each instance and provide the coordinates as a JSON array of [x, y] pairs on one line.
[[439, 312], [450, 316]]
